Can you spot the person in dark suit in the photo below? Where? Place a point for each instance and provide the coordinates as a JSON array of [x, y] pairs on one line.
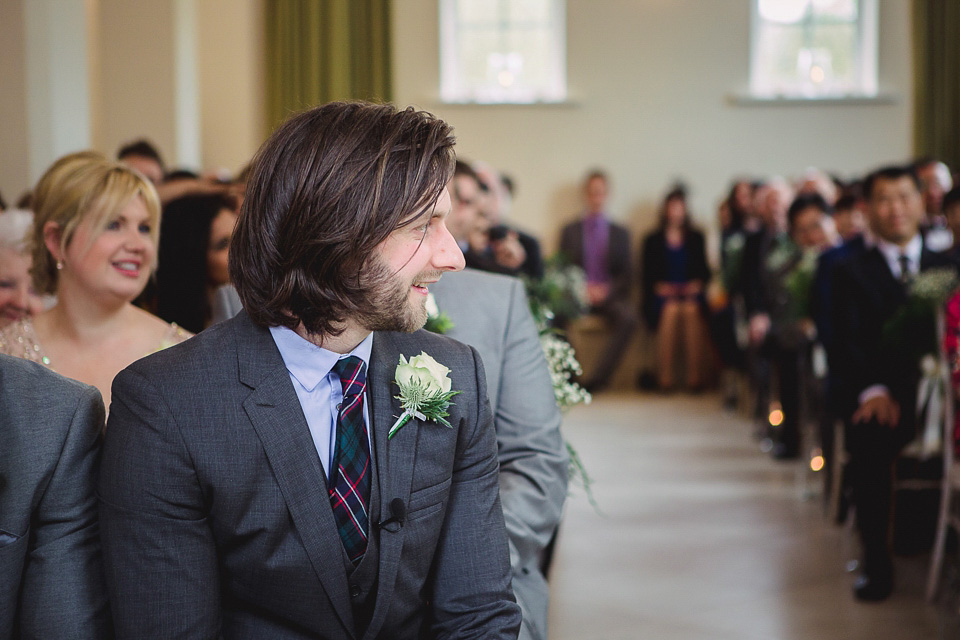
[[249, 483], [674, 277], [602, 248], [772, 199], [878, 379], [51, 575]]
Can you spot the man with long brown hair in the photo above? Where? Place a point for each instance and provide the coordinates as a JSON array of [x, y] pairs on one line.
[[252, 483]]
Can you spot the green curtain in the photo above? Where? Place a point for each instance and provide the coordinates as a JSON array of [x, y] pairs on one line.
[[936, 37], [323, 50]]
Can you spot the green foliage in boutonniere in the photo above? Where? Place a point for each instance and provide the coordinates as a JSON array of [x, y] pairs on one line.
[[437, 321], [424, 391], [912, 331]]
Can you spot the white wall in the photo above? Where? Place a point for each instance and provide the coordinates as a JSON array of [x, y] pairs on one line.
[[649, 83], [14, 142], [230, 51]]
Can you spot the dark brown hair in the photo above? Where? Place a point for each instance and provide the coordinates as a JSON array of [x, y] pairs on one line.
[[324, 190]]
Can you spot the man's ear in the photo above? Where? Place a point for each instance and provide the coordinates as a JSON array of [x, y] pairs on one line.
[[52, 237]]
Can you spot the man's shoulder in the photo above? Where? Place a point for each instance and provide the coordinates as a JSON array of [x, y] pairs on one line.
[[206, 354], [23, 381], [39, 409], [466, 282]]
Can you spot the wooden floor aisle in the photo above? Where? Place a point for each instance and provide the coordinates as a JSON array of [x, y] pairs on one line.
[[702, 537]]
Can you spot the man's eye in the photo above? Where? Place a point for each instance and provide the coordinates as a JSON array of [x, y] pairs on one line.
[[7, 284]]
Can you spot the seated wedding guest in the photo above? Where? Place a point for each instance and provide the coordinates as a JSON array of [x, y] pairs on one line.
[[144, 157], [786, 289], [848, 217], [466, 216], [674, 275], [816, 181], [771, 201], [732, 215], [514, 251], [935, 182], [740, 202], [878, 372], [851, 229], [51, 572], [602, 248], [490, 313], [195, 237], [18, 298], [94, 245], [951, 211], [248, 477]]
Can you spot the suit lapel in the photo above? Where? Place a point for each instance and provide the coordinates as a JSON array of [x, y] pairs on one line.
[[274, 410], [395, 460], [878, 272]]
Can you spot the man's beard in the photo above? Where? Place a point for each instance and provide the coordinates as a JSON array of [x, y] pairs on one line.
[[388, 297]]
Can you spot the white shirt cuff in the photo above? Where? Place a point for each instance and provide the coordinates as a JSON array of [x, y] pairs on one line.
[[872, 392]]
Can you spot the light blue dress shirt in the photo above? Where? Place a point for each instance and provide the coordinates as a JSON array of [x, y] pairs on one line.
[[318, 386]]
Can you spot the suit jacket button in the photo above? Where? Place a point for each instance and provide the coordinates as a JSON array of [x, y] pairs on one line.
[[355, 591]]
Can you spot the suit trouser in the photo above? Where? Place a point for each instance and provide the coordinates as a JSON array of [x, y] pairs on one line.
[[873, 450], [623, 322]]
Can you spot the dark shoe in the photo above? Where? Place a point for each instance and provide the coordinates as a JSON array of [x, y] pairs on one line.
[[869, 588]]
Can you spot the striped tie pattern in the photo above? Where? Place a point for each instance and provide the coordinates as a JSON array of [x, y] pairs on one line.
[[350, 482]]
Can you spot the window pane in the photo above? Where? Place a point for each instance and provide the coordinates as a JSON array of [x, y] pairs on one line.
[[838, 44], [528, 11], [835, 10], [779, 47], [473, 12], [812, 48], [783, 11], [502, 50]]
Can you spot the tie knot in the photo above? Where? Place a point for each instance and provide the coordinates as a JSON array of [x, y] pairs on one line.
[[353, 375]]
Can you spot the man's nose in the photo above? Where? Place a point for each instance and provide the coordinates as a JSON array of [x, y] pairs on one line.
[[448, 256]]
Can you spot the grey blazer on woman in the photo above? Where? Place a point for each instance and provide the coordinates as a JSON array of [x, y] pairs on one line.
[[51, 576]]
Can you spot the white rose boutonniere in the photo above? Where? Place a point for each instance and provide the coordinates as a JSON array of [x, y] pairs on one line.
[[424, 391]]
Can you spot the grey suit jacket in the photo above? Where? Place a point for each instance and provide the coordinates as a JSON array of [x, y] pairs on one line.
[[490, 313], [215, 516], [51, 576]]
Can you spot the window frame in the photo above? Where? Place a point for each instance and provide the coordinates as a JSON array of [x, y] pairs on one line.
[[454, 90], [866, 56]]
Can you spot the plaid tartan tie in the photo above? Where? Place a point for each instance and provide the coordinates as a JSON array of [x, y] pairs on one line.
[[350, 480]]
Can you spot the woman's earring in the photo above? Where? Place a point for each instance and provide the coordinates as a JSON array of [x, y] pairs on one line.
[[59, 265]]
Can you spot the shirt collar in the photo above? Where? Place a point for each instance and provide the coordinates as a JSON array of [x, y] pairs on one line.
[[893, 252], [307, 362]]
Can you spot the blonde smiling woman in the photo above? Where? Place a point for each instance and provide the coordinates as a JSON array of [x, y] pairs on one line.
[[94, 245]]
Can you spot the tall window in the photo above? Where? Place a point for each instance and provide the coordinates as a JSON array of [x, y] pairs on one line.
[[814, 48], [502, 51]]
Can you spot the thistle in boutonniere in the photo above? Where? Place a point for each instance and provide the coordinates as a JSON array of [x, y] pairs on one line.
[[437, 321], [424, 391]]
